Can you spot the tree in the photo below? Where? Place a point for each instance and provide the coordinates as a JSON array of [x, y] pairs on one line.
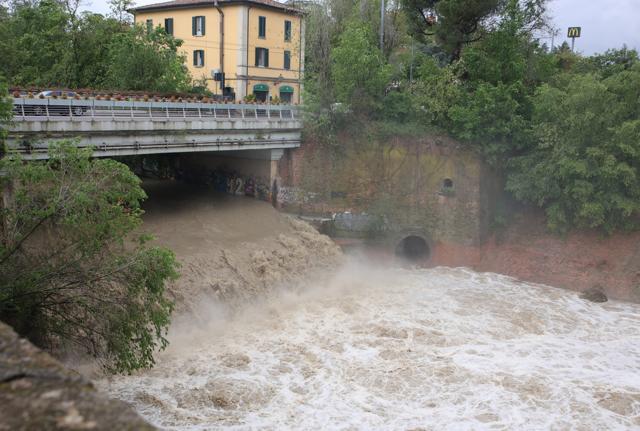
[[47, 43], [71, 270], [5, 113], [584, 169], [119, 10], [453, 23], [91, 53], [38, 48], [610, 62], [142, 59], [484, 99], [358, 70]]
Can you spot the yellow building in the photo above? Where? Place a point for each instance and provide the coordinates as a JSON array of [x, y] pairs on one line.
[[257, 44]]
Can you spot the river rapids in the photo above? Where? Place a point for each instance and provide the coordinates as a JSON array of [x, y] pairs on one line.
[[398, 349]]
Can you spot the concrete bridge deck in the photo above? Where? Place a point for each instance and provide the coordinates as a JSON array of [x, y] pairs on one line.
[[115, 128]]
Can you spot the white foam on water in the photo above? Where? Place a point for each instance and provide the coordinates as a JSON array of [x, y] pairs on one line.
[[399, 349]]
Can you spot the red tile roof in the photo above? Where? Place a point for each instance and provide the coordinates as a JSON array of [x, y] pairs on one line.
[[179, 4]]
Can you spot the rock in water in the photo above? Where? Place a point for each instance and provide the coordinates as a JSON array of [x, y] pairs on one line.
[[594, 294], [38, 393]]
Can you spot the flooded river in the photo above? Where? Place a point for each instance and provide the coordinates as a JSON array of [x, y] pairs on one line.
[[398, 349]]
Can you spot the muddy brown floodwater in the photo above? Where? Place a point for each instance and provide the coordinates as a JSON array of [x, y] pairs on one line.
[[364, 347]]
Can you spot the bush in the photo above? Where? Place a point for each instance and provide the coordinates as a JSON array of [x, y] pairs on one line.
[[585, 167], [70, 270]]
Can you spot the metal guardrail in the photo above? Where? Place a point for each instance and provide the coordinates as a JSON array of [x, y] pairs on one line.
[[27, 109]]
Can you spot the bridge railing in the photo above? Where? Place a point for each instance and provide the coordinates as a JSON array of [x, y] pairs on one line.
[[27, 109]]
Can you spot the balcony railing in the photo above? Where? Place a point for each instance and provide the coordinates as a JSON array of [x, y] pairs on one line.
[[49, 109]]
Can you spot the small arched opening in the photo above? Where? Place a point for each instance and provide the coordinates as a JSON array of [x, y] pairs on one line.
[[413, 248], [447, 188]]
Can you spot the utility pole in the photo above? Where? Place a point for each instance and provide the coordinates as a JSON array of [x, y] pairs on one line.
[[382, 26], [554, 33]]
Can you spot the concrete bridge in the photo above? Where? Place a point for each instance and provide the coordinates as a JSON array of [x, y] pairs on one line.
[[119, 128]]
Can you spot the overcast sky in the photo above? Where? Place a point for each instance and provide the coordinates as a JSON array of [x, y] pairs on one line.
[[605, 23]]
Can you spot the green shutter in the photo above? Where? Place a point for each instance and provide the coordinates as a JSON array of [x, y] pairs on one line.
[[266, 58], [257, 57], [193, 26], [287, 30], [203, 26], [287, 60]]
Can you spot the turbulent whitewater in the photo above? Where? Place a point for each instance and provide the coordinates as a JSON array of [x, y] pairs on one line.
[[398, 349]]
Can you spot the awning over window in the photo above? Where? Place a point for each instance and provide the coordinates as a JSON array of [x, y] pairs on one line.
[[286, 89], [261, 87]]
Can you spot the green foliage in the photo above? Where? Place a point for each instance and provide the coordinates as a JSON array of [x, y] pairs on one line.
[[71, 270], [609, 63], [88, 59], [119, 10], [437, 90], [35, 47], [43, 44], [458, 21], [147, 60], [398, 106], [484, 99], [359, 72], [5, 112], [46, 44], [585, 166], [490, 117]]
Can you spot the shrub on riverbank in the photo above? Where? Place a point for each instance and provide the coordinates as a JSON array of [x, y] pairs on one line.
[[71, 271]]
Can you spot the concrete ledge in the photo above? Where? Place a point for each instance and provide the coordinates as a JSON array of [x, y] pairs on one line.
[[38, 393]]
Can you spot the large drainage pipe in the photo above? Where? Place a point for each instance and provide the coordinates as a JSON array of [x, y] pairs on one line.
[[413, 248]]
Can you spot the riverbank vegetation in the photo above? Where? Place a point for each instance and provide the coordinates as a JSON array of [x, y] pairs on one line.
[[561, 127], [73, 273]]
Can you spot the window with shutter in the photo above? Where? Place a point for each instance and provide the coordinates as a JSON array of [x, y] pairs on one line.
[[262, 27], [149, 25], [262, 57], [287, 31], [287, 60], [198, 58], [197, 26], [168, 26]]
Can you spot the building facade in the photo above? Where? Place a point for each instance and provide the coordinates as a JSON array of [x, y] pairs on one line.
[[257, 44]]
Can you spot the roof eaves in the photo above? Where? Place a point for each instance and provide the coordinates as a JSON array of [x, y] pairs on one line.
[[177, 5]]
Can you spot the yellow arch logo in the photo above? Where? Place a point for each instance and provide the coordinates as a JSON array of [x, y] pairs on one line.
[[574, 31]]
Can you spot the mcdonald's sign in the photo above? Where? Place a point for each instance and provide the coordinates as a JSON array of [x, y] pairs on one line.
[[574, 31]]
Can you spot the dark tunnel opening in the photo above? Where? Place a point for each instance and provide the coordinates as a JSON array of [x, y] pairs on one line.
[[413, 248]]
